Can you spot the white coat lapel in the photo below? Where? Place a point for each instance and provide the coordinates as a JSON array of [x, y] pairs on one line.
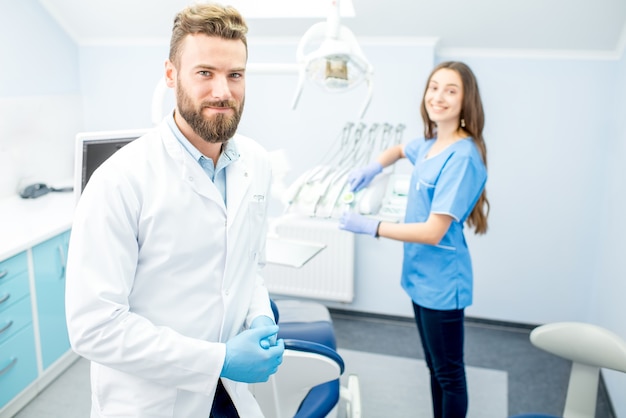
[[199, 181], [191, 172], [238, 180]]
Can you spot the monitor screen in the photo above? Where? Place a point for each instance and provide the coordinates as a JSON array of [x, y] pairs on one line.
[[93, 148]]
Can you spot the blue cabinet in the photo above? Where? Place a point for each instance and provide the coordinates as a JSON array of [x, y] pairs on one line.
[[34, 346], [49, 261], [18, 359], [18, 364]]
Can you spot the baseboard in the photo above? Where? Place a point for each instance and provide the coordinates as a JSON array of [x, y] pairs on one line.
[[469, 320], [369, 315], [499, 323]]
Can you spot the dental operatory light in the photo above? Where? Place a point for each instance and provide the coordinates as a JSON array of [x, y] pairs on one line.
[[338, 64]]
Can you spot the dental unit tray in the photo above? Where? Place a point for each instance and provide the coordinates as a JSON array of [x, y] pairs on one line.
[[291, 253]]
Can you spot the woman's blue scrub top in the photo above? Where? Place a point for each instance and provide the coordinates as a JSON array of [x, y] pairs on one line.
[[440, 276]]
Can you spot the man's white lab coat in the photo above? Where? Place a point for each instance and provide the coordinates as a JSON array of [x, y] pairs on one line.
[[160, 274]]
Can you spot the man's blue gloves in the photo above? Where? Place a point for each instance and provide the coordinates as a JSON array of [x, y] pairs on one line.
[[264, 321], [353, 222], [361, 177], [250, 355]]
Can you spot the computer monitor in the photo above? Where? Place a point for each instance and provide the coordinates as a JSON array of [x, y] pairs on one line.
[[93, 148]]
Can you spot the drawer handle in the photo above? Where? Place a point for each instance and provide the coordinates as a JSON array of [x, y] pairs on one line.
[[9, 366], [5, 298], [3, 274], [6, 326], [63, 261]]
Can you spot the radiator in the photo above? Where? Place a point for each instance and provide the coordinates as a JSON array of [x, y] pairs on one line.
[[327, 276]]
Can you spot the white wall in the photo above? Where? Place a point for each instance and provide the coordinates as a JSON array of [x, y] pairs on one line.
[[40, 105], [609, 286], [546, 137], [117, 82]]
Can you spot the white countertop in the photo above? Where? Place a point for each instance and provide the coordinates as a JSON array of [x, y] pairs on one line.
[[27, 222]]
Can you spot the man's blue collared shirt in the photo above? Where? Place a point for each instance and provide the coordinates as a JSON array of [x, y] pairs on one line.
[[216, 174]]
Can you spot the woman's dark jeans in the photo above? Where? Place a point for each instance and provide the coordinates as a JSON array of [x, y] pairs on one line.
[[442, 335]]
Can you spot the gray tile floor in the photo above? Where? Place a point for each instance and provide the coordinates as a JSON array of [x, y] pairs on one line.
[[391, 386], [398, 387], [537, 381], [67, 397]]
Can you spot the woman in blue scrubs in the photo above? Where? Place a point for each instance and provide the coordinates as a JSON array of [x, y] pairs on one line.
[[447, 190]]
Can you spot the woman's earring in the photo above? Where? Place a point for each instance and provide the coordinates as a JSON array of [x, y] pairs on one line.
[[462, 123]]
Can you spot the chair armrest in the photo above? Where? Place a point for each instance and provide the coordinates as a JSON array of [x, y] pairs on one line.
[[315, 348]]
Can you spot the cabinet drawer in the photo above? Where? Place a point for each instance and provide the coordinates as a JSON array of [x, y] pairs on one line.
[[49, 270], [18, 364], [13, 291], [15, 318], [12, 267]]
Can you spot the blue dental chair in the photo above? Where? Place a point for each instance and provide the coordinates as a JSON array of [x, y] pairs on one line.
[[307, 383], [590, 348]]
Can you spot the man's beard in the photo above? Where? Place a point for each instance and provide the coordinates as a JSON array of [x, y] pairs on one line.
[[217, 129]]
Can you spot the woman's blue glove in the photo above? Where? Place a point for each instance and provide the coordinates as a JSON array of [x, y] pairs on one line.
[[264, 321], [361, 177], [247, 361], [353, 222]]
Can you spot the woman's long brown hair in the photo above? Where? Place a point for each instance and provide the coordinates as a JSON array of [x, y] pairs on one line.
[[474, 117]]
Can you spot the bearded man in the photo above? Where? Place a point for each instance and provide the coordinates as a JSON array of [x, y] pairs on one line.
[[164, 293]]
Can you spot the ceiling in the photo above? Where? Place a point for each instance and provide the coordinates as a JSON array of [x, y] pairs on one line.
[[588, 26]]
